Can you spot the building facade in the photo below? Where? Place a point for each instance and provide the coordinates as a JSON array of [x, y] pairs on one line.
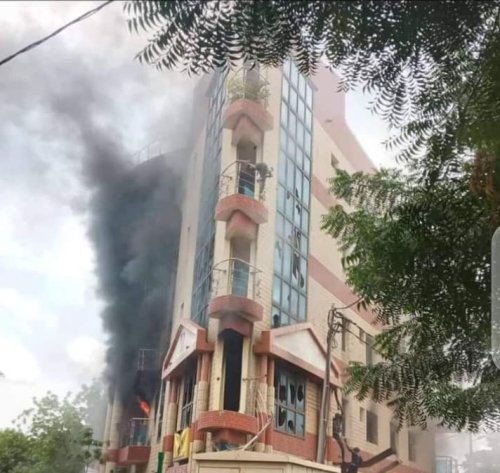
[[241, 380]]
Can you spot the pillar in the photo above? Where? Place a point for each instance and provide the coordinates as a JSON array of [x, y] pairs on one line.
[[114, 432], [270, 403], [262, 403], [171, 423], [201, 404]]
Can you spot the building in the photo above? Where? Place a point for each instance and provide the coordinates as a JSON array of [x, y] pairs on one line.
[[446, 464], [241, 380]]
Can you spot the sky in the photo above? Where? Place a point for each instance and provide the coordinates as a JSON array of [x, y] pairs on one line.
[[50, 329]]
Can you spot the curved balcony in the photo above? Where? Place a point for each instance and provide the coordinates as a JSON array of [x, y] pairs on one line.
[[247, 114], [241, 196], [236, 295], [134, 443]]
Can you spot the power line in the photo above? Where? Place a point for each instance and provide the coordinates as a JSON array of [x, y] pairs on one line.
[[56, 32]]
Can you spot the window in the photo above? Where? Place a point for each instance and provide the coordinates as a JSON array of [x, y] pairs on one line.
[[394, 436], [188, 396], [371, 427], [412, 446], [292, 230], [289, 401], [362, 413], [369, 349]]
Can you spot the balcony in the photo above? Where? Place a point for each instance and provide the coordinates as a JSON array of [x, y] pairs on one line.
[[134, 443], [241, 197], [236, 295], [148, 360], [247, 114]]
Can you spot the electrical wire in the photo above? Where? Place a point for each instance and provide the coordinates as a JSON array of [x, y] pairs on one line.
[[56, 32]]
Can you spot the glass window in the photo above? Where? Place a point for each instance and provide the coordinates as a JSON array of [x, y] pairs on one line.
[[307, 141], [293, 99], [276, 290], [289, 401], [308, 120], [292, 123], [294, 74], [284, 114], [286, 88], [300, 134], [309, 96], [300, 110], [412, 446]]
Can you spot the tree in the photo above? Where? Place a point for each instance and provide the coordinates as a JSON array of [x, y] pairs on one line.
[[60, 441], [420, 241], [15, 448], [420, 255]]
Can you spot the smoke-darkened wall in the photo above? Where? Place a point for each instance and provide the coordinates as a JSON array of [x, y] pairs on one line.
[[135, 227]]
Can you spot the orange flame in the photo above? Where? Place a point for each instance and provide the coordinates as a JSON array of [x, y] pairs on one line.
[[144, 405]]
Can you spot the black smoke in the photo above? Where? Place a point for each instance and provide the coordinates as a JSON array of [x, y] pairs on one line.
[[135, 226]]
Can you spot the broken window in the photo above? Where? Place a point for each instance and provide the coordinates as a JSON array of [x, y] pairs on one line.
[[289, 401], [188, 384]]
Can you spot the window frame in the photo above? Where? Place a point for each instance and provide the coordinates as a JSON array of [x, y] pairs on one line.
[[189, 375], [299, 378]]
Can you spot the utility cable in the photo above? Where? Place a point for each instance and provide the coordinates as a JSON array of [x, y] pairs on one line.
[[56, 32]]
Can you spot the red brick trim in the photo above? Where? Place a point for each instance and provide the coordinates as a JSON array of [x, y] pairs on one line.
[[333, 284], [253, 110], [252, 208], [236, 323], [133, 454], [111, 454], [302, 447], [235, 305], [240, 225], [221, 420], [321, 193], [168, 443]]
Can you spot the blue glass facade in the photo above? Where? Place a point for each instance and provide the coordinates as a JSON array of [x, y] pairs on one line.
[[293, 202], [202, 280]]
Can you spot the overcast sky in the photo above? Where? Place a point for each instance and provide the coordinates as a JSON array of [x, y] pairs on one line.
[[50, 330]]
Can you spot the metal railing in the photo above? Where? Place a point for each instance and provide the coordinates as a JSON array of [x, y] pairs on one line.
[[247, 83], [135, 433], [236, 277], [150, 151], [246, 178], [148, 359]]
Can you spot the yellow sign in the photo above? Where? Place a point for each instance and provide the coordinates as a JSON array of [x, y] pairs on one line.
[[181, 443]]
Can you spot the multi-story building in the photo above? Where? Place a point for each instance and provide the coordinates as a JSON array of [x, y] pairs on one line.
[[241, 381]]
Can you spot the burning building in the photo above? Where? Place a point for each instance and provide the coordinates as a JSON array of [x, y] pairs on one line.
[[241, 333]]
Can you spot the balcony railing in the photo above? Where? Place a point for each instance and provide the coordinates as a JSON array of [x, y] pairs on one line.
[[135, 433], [236, 277], [148, 360], [243, 177], [247, 83]]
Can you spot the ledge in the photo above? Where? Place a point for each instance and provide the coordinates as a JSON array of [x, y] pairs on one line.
[[222, 306], [133, 454], [255, 111], [212, 421], [252, 208]]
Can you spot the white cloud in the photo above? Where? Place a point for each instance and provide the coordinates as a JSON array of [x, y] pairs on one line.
[[88, 354]]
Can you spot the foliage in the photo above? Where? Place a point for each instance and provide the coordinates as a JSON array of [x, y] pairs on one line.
[[420, 255], [15, 450], [253, 90], [53, 436]]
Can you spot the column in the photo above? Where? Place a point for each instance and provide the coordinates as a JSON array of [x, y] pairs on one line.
[[270, 403], [171, 423], [201, 404], [261, 401], [114, 432]]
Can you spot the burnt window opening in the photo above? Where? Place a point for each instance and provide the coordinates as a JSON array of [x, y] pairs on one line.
[[188, 385], [289, 401], [371, 427], [233, 348]]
